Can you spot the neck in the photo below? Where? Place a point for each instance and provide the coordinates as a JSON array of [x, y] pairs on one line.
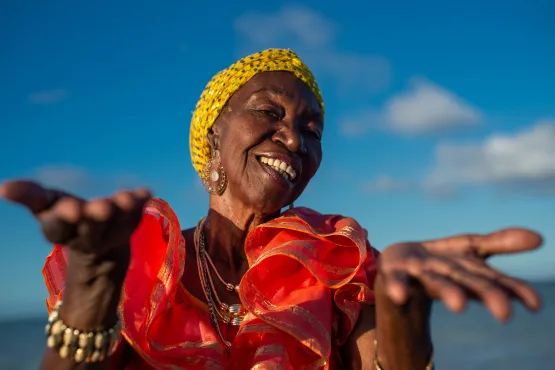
[[226, 228]]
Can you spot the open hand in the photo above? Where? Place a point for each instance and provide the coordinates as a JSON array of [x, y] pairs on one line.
[[93, 227], [454, 270]]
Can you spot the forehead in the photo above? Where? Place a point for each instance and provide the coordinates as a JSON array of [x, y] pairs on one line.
[[279, 83]]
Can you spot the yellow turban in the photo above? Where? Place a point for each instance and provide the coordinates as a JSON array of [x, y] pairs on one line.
[[224, 84]]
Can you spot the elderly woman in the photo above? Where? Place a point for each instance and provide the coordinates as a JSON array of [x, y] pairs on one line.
[[251, 286]]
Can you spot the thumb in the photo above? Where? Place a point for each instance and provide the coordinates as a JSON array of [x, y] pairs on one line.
[[510, 240], [30, 194]]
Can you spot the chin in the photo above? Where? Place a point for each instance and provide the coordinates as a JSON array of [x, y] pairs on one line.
[[271, 201], [268, 206]]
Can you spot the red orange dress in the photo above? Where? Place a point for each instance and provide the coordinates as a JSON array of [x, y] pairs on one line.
[[308, 276]]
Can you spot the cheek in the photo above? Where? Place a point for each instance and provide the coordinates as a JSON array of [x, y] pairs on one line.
[[232, 158], [315, 158], [235, 146]]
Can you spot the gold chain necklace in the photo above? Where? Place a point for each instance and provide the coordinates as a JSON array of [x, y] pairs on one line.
[[229, 314]]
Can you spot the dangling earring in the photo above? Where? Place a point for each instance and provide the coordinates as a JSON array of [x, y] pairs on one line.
[[213, 176], [291, 206]]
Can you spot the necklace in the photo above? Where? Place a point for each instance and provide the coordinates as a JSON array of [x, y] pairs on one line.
[[230, 287], [229, 314]]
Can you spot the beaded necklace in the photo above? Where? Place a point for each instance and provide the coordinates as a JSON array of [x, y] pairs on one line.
[[218, 310]]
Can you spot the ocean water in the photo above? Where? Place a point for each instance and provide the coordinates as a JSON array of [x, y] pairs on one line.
[[472, 340]]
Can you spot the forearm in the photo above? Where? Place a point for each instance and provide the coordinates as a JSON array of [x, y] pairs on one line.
[[90, 301], [403, 332]]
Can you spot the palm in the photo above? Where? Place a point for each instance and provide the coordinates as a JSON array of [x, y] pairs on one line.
[[454, 270], [94, 226]]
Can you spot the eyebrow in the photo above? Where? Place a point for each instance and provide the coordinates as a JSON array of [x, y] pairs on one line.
[[273, 91], [280, 92]]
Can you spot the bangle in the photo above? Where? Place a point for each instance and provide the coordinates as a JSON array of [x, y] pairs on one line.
[[79, 345], [429, 366]]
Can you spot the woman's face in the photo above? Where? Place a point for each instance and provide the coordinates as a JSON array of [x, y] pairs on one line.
[[269, 139]]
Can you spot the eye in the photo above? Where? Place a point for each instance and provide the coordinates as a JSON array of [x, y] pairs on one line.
[[270, 112], [316, 134]]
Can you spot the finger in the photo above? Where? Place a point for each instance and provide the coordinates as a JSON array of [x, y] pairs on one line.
[[125, 200], [27, 193], [103, 224], [31, 195], [511, 240], [99, 210], [458, 244], [439, 287], [517, 288], [397, 284], [493, 296], [94, 222], [131, 206], [143, 194], [59, 224], [131, 200], [110, 222]]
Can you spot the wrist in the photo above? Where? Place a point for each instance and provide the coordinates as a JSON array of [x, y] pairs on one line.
[[403, 331], [80, 345], [86, 270], [93, 288]]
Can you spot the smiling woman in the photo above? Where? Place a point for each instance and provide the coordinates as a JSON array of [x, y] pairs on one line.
[[268, 139], [251, 286]]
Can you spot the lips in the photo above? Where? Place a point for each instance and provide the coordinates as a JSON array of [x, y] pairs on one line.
[[282, 167]]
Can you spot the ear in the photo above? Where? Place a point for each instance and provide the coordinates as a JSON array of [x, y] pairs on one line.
[[215, 132], [213, 137]]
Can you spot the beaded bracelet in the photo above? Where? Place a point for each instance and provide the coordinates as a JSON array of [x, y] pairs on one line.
[[429, 366], [79, 345]]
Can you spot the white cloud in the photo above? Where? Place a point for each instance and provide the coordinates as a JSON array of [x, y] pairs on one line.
[[423, 108], [426, 107], [312, 36], [384, 184], [65, 176], [47, 97], [300, 22], [525, 159], [80, 181]]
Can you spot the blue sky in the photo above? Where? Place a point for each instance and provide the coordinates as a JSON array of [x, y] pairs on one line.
[[440, 116]]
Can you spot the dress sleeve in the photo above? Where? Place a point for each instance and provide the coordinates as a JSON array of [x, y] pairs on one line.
[[54, 273], [350, 297]]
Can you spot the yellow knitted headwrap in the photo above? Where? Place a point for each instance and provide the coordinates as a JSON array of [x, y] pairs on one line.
[[224, 84]]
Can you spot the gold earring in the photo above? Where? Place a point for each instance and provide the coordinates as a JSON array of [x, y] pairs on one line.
[[213, 176]]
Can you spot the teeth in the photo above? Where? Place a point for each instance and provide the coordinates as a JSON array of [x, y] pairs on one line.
[[283, 168]]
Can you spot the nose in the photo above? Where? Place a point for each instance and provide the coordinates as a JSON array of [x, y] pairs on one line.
[[289, 136]]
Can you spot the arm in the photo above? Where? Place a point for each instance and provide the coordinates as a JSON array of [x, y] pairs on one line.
[[358, 351], [452, 270], [97, 237], [402, 332], [90, 301]]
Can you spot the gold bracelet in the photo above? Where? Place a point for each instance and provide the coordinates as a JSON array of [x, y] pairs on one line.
[[79, 345], [429, 366]]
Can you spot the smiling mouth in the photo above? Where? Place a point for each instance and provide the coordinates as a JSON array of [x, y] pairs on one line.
[[285, 170]]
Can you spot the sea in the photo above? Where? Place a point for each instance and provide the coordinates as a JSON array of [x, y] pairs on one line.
[[472, 340]]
